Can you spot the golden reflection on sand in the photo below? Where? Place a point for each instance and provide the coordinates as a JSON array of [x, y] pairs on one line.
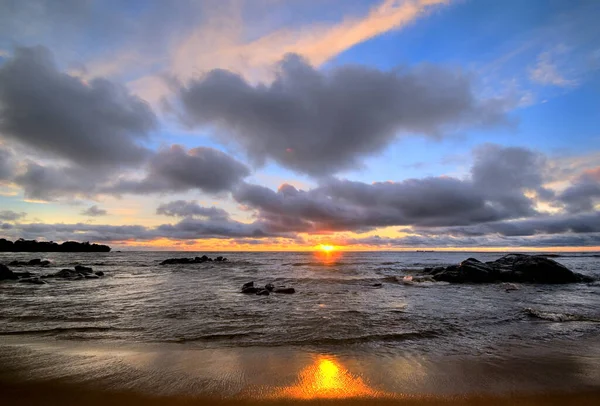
[[326, 378]]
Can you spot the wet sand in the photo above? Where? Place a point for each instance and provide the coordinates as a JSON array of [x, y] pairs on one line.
[[44, 372], [53, 393]]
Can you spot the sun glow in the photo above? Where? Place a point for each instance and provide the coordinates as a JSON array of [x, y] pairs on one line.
[[326, 248]]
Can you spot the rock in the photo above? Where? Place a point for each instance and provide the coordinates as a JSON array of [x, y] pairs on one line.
[[91, 276], [263, 292], [63, 273], [510, 286], [247, 285], [377, 285], [99, 273], [34, 281], [518, 268], [6, 273], [83, 269], [532, 269], [250, 289], [269, 287], [219, 259], [285, 290], [33, 262]]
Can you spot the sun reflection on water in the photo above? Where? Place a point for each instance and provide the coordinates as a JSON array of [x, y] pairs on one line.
[[328, 255], [326, 378]]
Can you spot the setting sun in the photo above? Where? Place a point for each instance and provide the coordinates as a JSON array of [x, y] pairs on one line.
[[326, 248]]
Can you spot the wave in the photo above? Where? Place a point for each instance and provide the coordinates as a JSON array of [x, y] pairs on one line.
[[60, 330], [213, 337], [559, 317], [412, 335]]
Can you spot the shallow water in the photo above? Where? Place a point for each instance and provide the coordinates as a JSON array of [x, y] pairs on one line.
[[336, 306]]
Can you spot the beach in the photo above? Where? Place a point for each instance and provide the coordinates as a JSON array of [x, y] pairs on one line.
[[352, 332]]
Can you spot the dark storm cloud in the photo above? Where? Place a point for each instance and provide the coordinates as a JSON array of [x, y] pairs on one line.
[[582, 195], [496, 191], [187, 229], [91, 124], [182, 208], [416, 241], [178, 169], [504, 173], [9, 215], [323, 122], [53, 182], [6, 164], [547, 224], [94, 211]]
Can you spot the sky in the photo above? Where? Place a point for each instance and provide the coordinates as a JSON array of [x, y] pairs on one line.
[[288, 124]]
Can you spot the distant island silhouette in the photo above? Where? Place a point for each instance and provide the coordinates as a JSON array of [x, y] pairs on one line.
[[22, 245]]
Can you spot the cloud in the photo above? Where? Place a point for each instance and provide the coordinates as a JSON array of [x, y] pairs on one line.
[[91, 124], [6, 164], [496, 190], [187, 229], [178, 169], [50, 182], [505, 173], [546, 71], [322, 122], [582, 195], [9, 215], [94, 211], [220, 42], [182, 208]]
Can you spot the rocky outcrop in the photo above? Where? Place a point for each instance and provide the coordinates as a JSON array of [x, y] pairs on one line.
[[249, 288], [196, 260], [6, 273], [33, 262], [518, 268]]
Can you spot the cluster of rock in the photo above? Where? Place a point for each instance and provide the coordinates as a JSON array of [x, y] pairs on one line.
[[518, 268], [79, 272], [196, 260], [33, 262], [249, 288]]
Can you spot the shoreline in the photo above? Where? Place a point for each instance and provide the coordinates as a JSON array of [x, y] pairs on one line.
[[75, 371]]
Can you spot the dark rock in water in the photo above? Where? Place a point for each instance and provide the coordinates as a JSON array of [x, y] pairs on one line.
[[219, 259], [173, 261], [263, 292], [6, 273], [33, 281], [247, 285], [377, 285], [519, 268], [470, 270], [33, 262], [99, 273], [285, 290], [63, 273], [250, 289], [83, 269], [195, 260], [269, 287], [91, 276]]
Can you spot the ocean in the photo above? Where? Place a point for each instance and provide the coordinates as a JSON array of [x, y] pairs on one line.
[[350, 307]]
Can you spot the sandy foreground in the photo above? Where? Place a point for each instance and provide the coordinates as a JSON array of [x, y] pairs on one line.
[[46, 372]]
